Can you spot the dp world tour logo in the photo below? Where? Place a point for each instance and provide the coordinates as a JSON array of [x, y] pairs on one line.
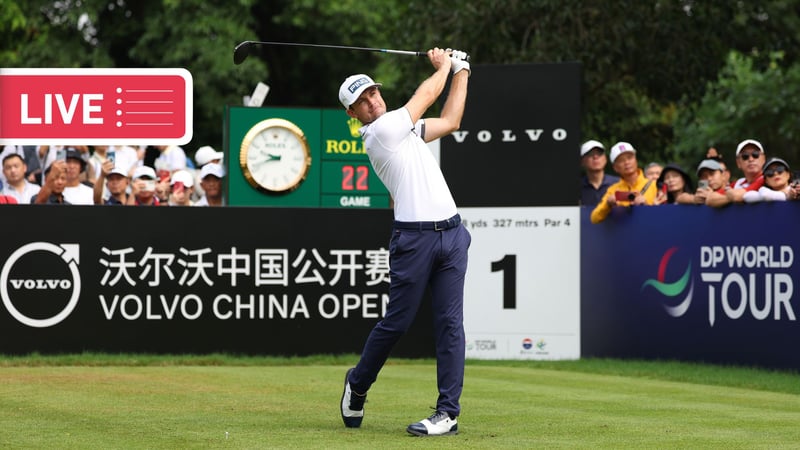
[[40, 283], [673, 289]]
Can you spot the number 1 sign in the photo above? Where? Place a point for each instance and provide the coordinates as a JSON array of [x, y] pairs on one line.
[[522, 292]]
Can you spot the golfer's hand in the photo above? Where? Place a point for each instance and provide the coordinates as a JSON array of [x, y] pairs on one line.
[[459, 61], [439, 58]]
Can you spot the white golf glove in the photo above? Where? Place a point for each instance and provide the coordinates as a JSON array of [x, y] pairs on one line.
[[459, 62]]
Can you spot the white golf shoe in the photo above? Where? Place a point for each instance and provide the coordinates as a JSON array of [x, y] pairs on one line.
[[352, 405], [438, 424]]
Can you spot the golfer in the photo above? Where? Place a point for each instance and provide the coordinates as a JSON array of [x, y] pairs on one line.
[[429, 244]]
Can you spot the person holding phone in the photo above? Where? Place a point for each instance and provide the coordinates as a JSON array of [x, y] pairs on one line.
[[677, 186], [633, 188], [114, 181], [181, 186], [711, 185], [143, 187]]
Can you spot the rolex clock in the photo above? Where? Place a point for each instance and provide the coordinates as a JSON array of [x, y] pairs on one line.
[[275, 156]]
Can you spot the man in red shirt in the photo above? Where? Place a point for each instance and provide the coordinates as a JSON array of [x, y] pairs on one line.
[[750, 158]]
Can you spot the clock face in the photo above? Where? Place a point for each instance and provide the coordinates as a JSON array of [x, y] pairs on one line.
[[275, 156]]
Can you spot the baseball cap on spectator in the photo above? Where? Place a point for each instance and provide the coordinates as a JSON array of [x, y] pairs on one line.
[[182, 176], [206, 154], [710, 164], [620, 148], [212, 169], [777, 160], [747, 142], [118, 171], [591, 145], [75, 154], [144, 172], [353, 87]]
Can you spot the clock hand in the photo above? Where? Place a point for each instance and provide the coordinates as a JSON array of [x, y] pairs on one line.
[[271, 156]]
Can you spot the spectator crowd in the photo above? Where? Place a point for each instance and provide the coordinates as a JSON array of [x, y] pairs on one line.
[[111, 175], [762, 179]]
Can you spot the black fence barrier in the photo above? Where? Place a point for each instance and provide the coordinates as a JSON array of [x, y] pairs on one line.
[[196, 280], [693, 283]]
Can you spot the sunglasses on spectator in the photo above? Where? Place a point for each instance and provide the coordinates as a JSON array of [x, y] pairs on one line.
[[774, 171], [746, 156]]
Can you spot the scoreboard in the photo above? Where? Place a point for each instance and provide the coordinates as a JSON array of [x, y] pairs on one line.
[[337, 171]]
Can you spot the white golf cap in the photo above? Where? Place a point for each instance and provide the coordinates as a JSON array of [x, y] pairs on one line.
[[118, 171], [353, 87], [182, 176], [620, 148], [212, 169], [747, 142], [144, 171], [591, 145], [206, 154]]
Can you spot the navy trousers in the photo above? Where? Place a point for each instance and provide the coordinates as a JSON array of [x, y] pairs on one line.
[[421, 258]]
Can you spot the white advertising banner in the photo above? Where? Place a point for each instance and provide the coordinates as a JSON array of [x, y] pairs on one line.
[[522, 291]]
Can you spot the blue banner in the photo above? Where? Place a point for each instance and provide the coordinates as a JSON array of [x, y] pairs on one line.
[[692, 283]]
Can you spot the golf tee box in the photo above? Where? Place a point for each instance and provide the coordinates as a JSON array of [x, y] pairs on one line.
[[95, 106]]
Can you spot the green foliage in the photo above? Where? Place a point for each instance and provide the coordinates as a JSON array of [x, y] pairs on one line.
[[193, 34], [646, 64], [311, 77], [12, 26], [744, 102]]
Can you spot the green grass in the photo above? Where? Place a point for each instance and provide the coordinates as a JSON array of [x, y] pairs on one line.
[[146, 401]]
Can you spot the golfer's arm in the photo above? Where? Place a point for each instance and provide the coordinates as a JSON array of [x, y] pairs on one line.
[[453, 111], [427, 93]]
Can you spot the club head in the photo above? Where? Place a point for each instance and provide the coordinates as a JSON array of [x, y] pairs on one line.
[[241, 52]]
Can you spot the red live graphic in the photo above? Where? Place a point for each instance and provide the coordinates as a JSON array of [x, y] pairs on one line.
[[95, 106]]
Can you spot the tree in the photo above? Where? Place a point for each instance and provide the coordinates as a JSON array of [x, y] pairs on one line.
[[743, 103], [645, 63], [642, 61], [193, 34]]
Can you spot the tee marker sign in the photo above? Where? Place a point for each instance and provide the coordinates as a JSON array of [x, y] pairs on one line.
[[95, 106]]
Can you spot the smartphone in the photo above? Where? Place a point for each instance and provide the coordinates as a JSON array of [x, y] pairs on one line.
[[624, 196], [664, 189], [61, 154], [112, 156], [149, 185], [163, 175], [796, 177], [702, 184]]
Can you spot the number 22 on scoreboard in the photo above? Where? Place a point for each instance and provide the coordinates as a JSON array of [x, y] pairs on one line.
[[355, 178]]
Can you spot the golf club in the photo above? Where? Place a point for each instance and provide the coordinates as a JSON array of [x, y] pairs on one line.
[[242, 50]]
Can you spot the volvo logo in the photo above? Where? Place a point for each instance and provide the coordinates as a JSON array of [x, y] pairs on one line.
[[69, 255]]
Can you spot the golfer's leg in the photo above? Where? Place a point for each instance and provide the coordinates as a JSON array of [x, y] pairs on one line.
[[447, 288], [410, 262]]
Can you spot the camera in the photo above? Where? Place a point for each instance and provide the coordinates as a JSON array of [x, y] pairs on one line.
[[624, 196]]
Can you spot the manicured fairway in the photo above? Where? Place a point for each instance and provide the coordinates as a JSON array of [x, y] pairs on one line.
[[235, 404]]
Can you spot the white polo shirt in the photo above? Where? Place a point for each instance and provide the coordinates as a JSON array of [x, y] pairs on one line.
[[407, 168]]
